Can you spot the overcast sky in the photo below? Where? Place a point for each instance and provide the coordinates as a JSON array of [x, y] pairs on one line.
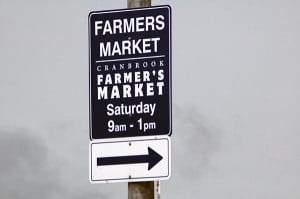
[[236, 100]]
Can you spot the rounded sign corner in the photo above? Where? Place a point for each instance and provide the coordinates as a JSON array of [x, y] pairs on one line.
[[168, 7]]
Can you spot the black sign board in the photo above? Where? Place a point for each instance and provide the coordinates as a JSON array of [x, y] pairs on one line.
[[130, 72]]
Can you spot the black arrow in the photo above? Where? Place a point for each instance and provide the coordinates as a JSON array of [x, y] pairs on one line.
[[152, 158]]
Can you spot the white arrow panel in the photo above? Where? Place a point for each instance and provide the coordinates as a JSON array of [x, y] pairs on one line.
[[129, 172]]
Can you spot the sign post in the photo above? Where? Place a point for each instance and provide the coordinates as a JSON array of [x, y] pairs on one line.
[[130, 96], [143, 190]]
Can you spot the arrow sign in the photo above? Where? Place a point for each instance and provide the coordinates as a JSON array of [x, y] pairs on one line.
[[130, 160], [152, 158]]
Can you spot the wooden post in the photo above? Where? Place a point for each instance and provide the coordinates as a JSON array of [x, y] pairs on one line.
[[140, 190], [138, 3]]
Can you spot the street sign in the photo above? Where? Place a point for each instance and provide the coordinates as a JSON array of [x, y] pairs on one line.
[[130, 72], [131, 160]]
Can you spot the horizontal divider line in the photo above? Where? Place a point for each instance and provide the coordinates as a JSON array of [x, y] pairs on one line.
[[134, 58]]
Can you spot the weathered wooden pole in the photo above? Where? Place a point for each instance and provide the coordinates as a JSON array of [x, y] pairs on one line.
[[138, 3], [140, 190]]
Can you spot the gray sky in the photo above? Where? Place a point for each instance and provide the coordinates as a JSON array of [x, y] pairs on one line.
[[236, 100]]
